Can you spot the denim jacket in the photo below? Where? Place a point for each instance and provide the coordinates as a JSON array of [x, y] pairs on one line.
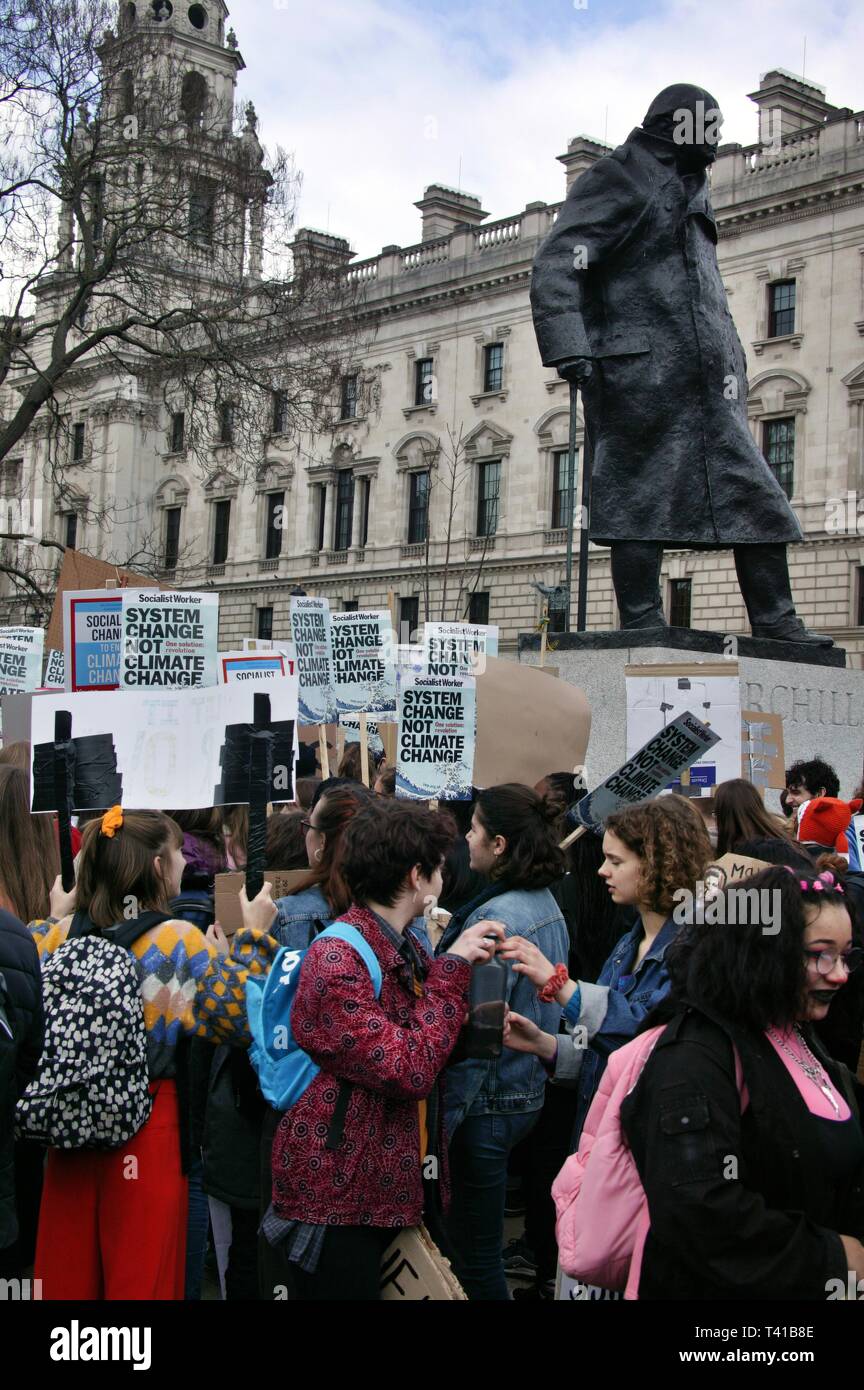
[[301, 916], [607, 1015], [515, 1081]]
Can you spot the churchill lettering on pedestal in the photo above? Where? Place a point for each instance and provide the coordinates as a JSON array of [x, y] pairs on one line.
[[628, 302]]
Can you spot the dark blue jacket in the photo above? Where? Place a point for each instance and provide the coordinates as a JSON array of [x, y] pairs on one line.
[[604, 1016], [19, 1056]]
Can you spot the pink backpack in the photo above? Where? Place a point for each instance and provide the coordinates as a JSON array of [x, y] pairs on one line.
[[603, 1218]]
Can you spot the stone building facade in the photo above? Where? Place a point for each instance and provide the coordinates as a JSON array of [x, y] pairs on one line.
[[443, 477]]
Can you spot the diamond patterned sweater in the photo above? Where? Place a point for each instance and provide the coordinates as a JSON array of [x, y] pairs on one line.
[[176, 962]]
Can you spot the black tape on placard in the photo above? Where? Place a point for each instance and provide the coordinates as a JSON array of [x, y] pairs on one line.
[[234, 760], [92, 777], [260, 780], [64, 782]]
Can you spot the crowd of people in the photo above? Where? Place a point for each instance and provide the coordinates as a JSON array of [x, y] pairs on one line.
[[673, 1109]]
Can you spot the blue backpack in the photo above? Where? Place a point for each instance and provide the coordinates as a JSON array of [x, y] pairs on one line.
[[284, 1069]]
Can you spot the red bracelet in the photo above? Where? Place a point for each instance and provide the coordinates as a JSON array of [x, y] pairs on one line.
[[556, 982]]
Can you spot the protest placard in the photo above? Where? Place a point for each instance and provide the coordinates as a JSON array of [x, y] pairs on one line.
[[80, 572], [657, 694], [527, 724], [437, 731], [352, 732], [732, 868], [91, 638], [250, 666], [458, 649], [55, 672], [310, 629], [763, 759], [413, 1270], [173, 747], [20, 659], [648, 771], [227, 893], [364, 672], [168, 638]]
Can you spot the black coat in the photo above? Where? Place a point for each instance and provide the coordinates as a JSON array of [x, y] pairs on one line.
[[666, 406], [19, 966], [775, 1231]]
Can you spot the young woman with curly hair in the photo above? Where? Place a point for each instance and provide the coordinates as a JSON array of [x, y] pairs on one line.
[[651, 850], [491, 1105]]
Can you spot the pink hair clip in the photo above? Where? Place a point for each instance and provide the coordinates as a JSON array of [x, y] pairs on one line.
[[815, 885]]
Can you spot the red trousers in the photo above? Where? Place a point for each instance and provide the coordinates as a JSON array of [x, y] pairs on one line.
[[113, 1225]]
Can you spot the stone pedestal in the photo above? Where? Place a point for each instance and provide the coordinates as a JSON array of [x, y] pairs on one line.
[[822, 705]]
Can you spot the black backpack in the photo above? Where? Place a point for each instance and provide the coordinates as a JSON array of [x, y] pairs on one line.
[[92, 1087]]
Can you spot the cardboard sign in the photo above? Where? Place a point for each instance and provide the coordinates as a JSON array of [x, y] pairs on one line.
[[661, 761], [364, 674], [20, 659], [168, 638], [527, 724], [55, 672], [176, 747], [310, 629], [79, 572], [656, 695], [91, 638], [249, 666], [437, 730], [732, 868], [413, 1270], [458, 649], [227, 893], [763, 760]]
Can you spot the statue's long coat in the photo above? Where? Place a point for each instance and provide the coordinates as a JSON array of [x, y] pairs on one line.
[[666, 406]]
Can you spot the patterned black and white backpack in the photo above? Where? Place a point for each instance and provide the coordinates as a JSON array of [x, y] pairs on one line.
[[92, 1087]]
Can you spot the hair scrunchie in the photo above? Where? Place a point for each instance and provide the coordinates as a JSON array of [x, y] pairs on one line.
[[112, 821]]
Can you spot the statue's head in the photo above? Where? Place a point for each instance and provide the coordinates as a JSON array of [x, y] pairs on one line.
[[690, 119]]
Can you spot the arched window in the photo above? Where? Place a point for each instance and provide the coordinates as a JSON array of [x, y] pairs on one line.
[[193, 98]]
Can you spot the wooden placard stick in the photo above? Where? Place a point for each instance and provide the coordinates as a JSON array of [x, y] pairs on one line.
[[364, 748], [323, 753], [433, 805], [573, 837]]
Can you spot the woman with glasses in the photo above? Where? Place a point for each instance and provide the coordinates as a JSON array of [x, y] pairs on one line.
[[746, 1133], [323, 894]]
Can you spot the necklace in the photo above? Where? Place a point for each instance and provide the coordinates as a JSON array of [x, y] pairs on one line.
[[811, 1069]]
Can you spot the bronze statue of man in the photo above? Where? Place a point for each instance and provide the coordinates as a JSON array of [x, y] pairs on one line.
[[628, 301]]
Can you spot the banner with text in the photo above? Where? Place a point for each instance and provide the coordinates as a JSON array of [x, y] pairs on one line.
[[364, 673], [155, 748], [648, 771], [310, 629], [168, 638], [458, 649], [55, 672], [91, 638], [20, 659], [437, 732], [250, 666]]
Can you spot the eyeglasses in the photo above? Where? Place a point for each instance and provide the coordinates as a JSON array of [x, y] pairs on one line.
[[307, 825], [826, 961]]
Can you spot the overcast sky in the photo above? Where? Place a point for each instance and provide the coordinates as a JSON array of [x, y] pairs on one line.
[[378, 98]]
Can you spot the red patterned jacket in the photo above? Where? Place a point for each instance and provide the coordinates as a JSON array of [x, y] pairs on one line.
[[391, 1050]]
